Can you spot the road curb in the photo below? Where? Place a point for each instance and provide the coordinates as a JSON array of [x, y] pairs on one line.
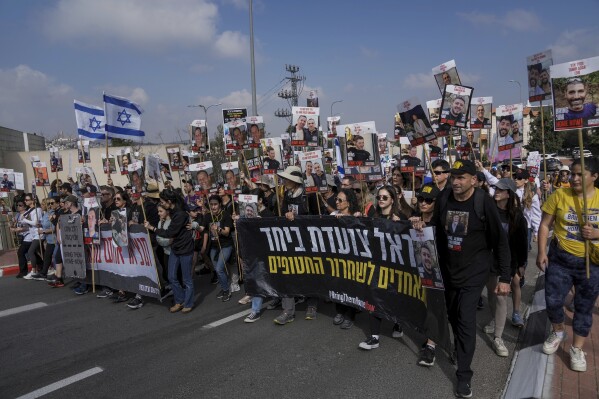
[[7, 271]]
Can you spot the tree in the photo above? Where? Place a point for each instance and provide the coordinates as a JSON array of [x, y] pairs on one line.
[[553, 140], [116, 142]]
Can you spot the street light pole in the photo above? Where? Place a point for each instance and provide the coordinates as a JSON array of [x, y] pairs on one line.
[[520, 87], [205, 113], [253, 65], [333, 103]]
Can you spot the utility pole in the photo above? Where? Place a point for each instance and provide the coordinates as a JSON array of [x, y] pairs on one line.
[[297, 85]]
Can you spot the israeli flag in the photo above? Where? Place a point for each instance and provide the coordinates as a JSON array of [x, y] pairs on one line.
[[90, 121], [123, 118], [340, 169]]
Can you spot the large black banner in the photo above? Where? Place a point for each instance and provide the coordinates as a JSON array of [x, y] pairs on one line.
[[369, 264]]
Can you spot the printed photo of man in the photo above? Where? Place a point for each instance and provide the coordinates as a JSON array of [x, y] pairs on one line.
[[575, 94], [454, 115]]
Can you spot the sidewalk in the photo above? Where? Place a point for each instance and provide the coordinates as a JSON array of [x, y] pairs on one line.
[[9, 264], [536, 375]]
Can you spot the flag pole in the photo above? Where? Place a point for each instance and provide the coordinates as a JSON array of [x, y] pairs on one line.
[[543, 148], [584, 202]]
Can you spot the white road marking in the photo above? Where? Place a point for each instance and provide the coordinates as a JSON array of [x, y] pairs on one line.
[[61, 384], [228, 319], [25, 308]]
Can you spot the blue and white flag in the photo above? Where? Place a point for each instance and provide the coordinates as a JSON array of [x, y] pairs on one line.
[[90, 121], [340, 168], [123, 118]]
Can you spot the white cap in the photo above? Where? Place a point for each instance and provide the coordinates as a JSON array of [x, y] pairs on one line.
[[565, 167]]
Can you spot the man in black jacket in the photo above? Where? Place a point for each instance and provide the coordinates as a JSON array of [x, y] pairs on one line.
[[466, 260]]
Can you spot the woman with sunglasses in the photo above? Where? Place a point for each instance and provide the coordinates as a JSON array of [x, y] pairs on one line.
[[47, 228], [23, 238], [565, 266], [514, 223], [181, 250], [347, 205], [32, 219]]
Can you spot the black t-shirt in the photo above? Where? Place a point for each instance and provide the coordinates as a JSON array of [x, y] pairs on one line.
[[266, 213], [271, 164], [222, 220], [359, 155]]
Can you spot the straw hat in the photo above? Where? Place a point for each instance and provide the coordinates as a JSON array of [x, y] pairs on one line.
[[293, 173], [267, 180], [152, 191]]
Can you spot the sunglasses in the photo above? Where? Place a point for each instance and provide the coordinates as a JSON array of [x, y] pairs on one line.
[[339, 200], [427, 200], [51, 203], [357, 190], [440, 172], [382, 197], [20, 204], [118, 199]]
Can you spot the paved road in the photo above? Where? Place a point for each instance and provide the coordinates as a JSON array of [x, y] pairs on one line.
[[153, 354]]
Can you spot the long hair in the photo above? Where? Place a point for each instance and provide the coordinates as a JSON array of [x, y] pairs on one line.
[[591, 164], [528, 195], [402, 205], [352, 200], [514, 211], [174, 198], [378, 212]]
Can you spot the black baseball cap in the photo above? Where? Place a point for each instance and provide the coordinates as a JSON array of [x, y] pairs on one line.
[[463, 166], [429, 191]]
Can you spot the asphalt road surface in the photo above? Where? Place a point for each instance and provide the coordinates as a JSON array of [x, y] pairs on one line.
[[68, 346]]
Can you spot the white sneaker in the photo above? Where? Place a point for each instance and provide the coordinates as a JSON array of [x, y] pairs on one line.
[[234, 287], [552, 342], [577, 360], [490, 328], [245, 300], [29, 276], [500, 348], [51, 271]]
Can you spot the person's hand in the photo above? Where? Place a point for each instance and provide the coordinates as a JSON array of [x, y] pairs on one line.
[[70, 179], [502, 289], [417, 223], [189, 226], [589, 232], [535, 238], [147, 225], [542, 261], [290, 216], [479, 166], [242, 175], [131, 222], [214, 229]]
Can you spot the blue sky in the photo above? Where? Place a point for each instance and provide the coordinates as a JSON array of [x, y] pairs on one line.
[[168, 54]]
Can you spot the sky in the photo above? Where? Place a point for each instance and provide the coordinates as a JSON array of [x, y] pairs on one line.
[[166, 55]]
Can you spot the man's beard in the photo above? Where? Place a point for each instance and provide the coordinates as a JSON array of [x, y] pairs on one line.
[[502, 134]]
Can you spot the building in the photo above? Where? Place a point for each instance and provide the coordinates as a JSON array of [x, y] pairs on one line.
[[12, 140]]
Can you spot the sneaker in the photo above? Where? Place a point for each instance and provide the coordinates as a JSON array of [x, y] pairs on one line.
[[227, 296], [481, 303], [51, 271], [120, 298], [76, 285], [252, 317], [517, 320], [58, 283], [338, 319], [220, 294], [29, 276], [186, 310], [38, 277], [234, 287], [552, 342], [310, 313], [427, 356], [284, 318], [51, 277], [499, 347], [275, 303], [245, 300], [214, 279], [20, 275], [347, 324], [81, 290], [577, 360], [136, 302], [490, 328], [463, 390], [397, 331], [105, 293], [175, 308], [370, 343]]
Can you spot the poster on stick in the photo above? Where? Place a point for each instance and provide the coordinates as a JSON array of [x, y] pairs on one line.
[[71, 245], [481, 110], [446, 74], [455, 105], [415, 123], [539, 84]]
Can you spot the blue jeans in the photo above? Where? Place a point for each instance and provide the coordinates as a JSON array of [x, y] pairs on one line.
[[181, 295], [219, 259], [563, 271], [257, 303]]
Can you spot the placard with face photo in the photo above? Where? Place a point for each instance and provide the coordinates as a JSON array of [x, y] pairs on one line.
[[248, 206], [110, 165], [237, 137], [55, 160], [118, 227], [312, 100], [446, 74], [415, 122], [187, 158], [7, 181], [165, 169], [455, 105], [305, 122], [85, 176], [255, 129], [287, 149], [83, 151], [41, 174], [575, 94], [509, 126], [382, 143], [202, 177], [272, 160], [481, 109], [174, 157], [312, 165], [253, 167], [199, 136], [230, 176], [332, 122], [137, 178], [233, 114], [92, 216], [469, 140], [125, 159], [539, 80], [427, 259], [361, 143], [153, 167]]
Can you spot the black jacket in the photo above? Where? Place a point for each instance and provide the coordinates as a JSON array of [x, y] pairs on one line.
[[177, 230]]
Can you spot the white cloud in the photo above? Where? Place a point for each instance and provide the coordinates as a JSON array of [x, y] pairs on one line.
[[149, 25], [420, 81], [575, 44], [34, 102], [513, 20], [136, 94]]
